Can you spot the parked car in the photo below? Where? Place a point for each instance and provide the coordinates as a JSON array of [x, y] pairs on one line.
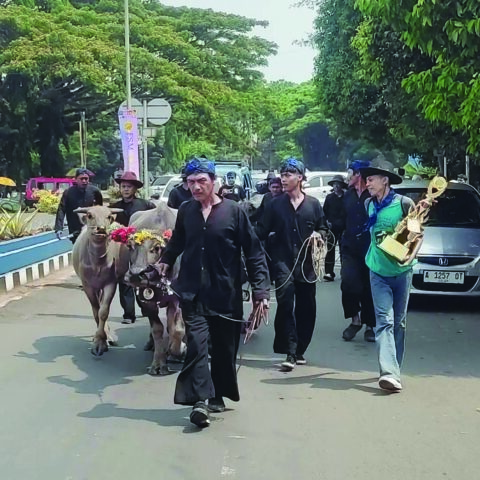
[[317, 185], [158, 185], [449, 259], [54, 185]]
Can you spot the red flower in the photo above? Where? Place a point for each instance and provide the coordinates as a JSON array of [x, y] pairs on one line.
[[167, 234], [121, 235]]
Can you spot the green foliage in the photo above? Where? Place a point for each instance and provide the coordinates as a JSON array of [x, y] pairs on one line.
[[448, 90], [47, 201], [69, 56], [15, 225]]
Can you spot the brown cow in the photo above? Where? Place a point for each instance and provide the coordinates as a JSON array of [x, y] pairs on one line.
[[159, 296], [99, 263]]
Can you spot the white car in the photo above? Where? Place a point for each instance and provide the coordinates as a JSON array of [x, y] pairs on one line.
[[317, 185]]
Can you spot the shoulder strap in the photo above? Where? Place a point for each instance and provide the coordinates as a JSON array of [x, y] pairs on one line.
[[367, 203], [405, 205]]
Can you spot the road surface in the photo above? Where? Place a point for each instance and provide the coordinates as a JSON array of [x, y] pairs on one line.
[[68, 416]]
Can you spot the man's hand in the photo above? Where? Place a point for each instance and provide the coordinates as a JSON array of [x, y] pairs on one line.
[[58, 235], [162, 269], [264, 302]]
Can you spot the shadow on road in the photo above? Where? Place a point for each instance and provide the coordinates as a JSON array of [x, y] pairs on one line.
[[322, 380], [174, 417], [115, 367]]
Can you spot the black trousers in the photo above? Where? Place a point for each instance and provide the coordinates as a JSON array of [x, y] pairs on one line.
[[330, 256], [355, 286], [127, 300], [196, 382], [295, 317]]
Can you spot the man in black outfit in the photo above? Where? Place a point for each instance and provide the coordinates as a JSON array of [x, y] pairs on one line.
[[210, 234], [356, 292], [129, 184], [80, 195], [289, 221], [231, 190], [181, 193], [333, 209]]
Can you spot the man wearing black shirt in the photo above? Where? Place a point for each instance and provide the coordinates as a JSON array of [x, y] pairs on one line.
[[356, 293], [80, 195], [210, 234], [181, 193], [129, 204], [231, 190], [289, 221], [333, 209]]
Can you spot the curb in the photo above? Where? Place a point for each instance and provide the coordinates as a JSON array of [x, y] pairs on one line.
[[36, 271]]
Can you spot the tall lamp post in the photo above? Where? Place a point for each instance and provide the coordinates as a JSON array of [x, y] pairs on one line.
[[127, 56]]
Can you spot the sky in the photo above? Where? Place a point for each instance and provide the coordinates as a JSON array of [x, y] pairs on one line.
[[287, 24]]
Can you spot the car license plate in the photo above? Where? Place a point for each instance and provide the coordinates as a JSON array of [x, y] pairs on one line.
[[435, 276]]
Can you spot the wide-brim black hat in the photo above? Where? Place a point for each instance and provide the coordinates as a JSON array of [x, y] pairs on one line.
[[383, 168], [339, 179]]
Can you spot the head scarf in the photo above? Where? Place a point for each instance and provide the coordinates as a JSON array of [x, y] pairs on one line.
[[199, 165], [356, 165], [293, 165]]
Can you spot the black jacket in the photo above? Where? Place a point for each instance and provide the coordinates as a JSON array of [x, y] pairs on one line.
[[73, 198], [355, 239], [129, 208], [211, 265], [334, 212], [177, 196], [287, 230]]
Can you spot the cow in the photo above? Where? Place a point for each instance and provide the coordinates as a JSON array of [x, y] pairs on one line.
[[100, 265], [151, 297]]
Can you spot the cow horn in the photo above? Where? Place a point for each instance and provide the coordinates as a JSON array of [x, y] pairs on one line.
[[81, 210], [116, 210]]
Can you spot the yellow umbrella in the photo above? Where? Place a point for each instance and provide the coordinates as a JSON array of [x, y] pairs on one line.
[[8, 182]]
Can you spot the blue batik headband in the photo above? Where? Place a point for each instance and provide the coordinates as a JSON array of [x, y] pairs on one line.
[[197, 165], [293, 165]]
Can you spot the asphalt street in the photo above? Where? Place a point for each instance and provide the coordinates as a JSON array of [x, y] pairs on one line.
[[68, 416]]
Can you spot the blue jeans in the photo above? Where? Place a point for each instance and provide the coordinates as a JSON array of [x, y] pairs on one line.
[[390, 299]]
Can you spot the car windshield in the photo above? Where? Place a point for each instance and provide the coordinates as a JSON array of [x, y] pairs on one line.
[[455, 208], [161, 181], [222, 170]]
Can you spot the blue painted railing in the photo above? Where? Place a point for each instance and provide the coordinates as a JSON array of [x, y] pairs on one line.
[[21, 252]]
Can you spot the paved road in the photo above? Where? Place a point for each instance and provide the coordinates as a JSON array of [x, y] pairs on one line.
[[66, 415]]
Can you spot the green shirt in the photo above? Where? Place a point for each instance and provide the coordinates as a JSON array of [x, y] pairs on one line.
[[377, 260]]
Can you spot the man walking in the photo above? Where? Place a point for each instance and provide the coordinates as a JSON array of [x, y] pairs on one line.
[[230, 189], [181, 193], [211, 233], [356, 293], [82, 194], [390, 281], [333, 209], [289, 221], [130, 203]]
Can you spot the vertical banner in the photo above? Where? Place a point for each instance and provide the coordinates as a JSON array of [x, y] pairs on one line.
[[129, 135]]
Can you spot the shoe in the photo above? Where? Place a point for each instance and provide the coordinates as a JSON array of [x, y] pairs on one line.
[[289, 364], [128, 320], [329, 277], [216, 405], [350, 332], [199, 415], [369, 335], [390, 384], [301, 360]]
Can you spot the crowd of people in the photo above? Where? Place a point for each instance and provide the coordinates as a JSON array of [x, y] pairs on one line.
[[217, 241]]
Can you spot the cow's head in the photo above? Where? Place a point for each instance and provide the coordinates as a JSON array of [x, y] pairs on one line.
[[143, 253], [98, 220]]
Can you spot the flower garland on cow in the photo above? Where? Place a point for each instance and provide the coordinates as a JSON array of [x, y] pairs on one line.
[[131, 236]]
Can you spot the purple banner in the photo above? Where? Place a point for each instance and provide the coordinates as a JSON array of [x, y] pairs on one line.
[[129, 135]]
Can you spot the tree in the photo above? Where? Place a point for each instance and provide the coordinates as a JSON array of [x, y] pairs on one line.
[[448, 32]]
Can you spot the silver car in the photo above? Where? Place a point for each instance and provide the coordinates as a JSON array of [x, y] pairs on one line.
[[449, 259]]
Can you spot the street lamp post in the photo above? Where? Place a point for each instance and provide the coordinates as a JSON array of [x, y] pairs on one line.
[[127, 56]]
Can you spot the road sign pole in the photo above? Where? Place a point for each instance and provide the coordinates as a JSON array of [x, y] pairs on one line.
[[146, 179], [127, 56]]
